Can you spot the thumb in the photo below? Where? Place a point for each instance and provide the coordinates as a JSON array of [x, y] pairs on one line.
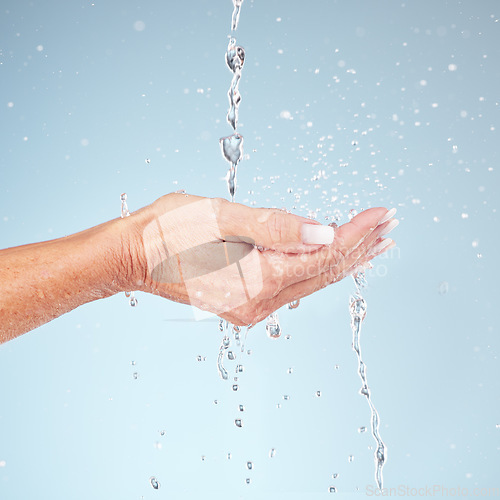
[[274, 229]]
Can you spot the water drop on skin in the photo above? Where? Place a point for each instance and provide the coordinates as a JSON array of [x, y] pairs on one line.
[[294, 304]]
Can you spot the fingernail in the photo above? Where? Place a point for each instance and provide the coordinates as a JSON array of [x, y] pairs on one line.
[[387, 229], [380, 246], [390, 213], [317, 234]]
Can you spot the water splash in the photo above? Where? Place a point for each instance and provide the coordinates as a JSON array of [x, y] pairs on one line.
[[357, 308], [125, 213]]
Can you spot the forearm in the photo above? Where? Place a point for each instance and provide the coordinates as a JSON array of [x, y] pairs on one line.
[[41, 281]]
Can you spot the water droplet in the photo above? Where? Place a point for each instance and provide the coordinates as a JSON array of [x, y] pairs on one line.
[[497, 426], [318, 394], [242, 408], [249, 465], [235, 387], [162, 433], [273, 328], [201, 358], [272, 453], [235, 56], [286, 397], [362, 429], [248, 480], [147, 160], [332, 489], [231, 356], [337, 367], [294, 304], [132, 363], [364, 391], [443, 288], [154, 482], [290, 370], [229, 456], [216, 402], [238, 422], [135, 375], [232, 148], [288, 337], [335, 475], [133, 301], [203, 458], [351, 458], [479, 255], [240, 368]]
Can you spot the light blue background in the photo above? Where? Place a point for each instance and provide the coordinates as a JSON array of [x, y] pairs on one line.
[[415, 86]]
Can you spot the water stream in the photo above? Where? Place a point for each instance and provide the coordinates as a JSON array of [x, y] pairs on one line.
[[357, 308]]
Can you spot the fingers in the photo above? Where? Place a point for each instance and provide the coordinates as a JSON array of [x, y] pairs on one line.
[[351, 241], [347, 267], [273, 228]]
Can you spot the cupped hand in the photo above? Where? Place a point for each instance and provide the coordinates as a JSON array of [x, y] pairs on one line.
[[243, 263]]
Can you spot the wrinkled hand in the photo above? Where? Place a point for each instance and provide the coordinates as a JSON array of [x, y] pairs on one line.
[[243, 263]]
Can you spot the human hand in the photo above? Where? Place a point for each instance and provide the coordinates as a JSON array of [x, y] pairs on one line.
[[243, 263]]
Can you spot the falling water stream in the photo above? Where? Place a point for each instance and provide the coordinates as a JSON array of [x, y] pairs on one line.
[[357, 308], [232, 151]]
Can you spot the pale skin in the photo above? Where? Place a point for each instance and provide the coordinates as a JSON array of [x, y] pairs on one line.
[[238, 262]]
